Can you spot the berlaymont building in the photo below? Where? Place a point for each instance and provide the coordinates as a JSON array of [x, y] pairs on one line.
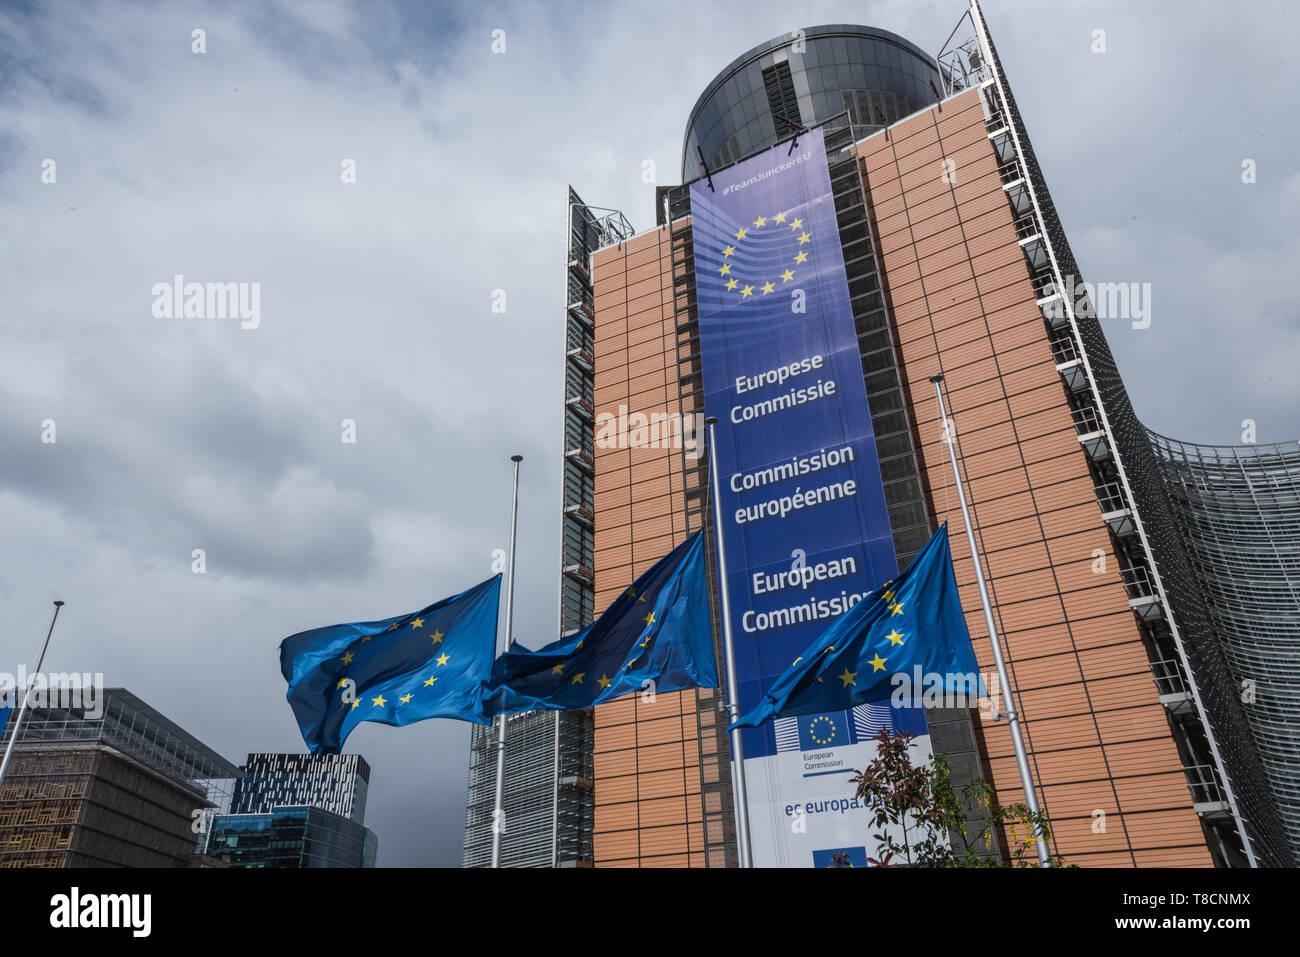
[[1147, 588]]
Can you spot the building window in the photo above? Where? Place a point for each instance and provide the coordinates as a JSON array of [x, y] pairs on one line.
[[781, 98]]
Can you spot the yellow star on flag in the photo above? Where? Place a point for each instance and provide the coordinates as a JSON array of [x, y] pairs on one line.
[[801, 258], [726, 252], [428, 682], [743, 232], [896, 608], [577, 679], [761, 221], [378, 702], [894, 638], [797, 224], [437, 637], [732, 284], [779, 218], [405, 698], [604, 681], [877, 663], [767, 287], [418, 623], [347, 658], [804, 238], [442, 659], [725, 269], [787, 276], [649, 619], [848, 677], [558, 670], [746, 292]]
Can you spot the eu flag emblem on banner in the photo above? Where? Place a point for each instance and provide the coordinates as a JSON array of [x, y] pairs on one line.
[[909, 633], [429, 664], [823, 731], [657, 631]]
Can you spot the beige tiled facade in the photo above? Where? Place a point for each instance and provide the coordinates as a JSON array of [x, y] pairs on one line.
[[1105, 763]]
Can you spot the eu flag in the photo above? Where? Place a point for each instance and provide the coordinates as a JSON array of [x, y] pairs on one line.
[[909, 635], [822, 730], [657, 631], [429, 664]]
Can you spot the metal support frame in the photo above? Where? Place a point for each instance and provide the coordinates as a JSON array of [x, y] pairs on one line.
[[995, 82]]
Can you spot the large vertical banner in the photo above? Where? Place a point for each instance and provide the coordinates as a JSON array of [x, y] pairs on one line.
[[803, 508]]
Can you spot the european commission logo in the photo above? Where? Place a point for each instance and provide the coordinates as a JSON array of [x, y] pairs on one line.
[[833, 729], [764, 256], [823, 731]]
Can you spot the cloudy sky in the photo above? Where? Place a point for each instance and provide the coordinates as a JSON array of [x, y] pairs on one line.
[[376, 296]]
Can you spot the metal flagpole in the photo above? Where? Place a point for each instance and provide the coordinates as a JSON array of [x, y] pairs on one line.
[[740, 794], [22, 707], [1013, 718], [499, 812]]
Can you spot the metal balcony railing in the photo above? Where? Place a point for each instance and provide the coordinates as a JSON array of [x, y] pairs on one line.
[[1063, 350], [1111, 498], [1137, 581], [1168, 675], [1203, 781], [1086, 420]]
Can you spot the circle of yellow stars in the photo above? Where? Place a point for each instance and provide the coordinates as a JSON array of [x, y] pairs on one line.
[[813, 731], [780, 219], [379, 701]]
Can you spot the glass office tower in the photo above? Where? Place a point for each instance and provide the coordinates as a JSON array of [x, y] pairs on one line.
[[293, 837], [338, 783], [1237, 510]]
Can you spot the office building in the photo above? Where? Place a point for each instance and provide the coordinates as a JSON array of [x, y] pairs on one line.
[[125, 788], [548, 799], [297, 810], [291, 836], [1161, 729], [337, 783]]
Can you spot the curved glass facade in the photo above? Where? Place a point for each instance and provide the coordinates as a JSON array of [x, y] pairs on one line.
[[300, 836], [805, 78], [1238, 511]]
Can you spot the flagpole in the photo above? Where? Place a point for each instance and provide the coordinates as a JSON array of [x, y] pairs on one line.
[[740, 793], [499, 812], [1013, 717], [22, 707]]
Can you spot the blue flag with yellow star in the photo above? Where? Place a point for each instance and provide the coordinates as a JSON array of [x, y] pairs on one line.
[[905, 641], [429, 664], [656, 636]]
